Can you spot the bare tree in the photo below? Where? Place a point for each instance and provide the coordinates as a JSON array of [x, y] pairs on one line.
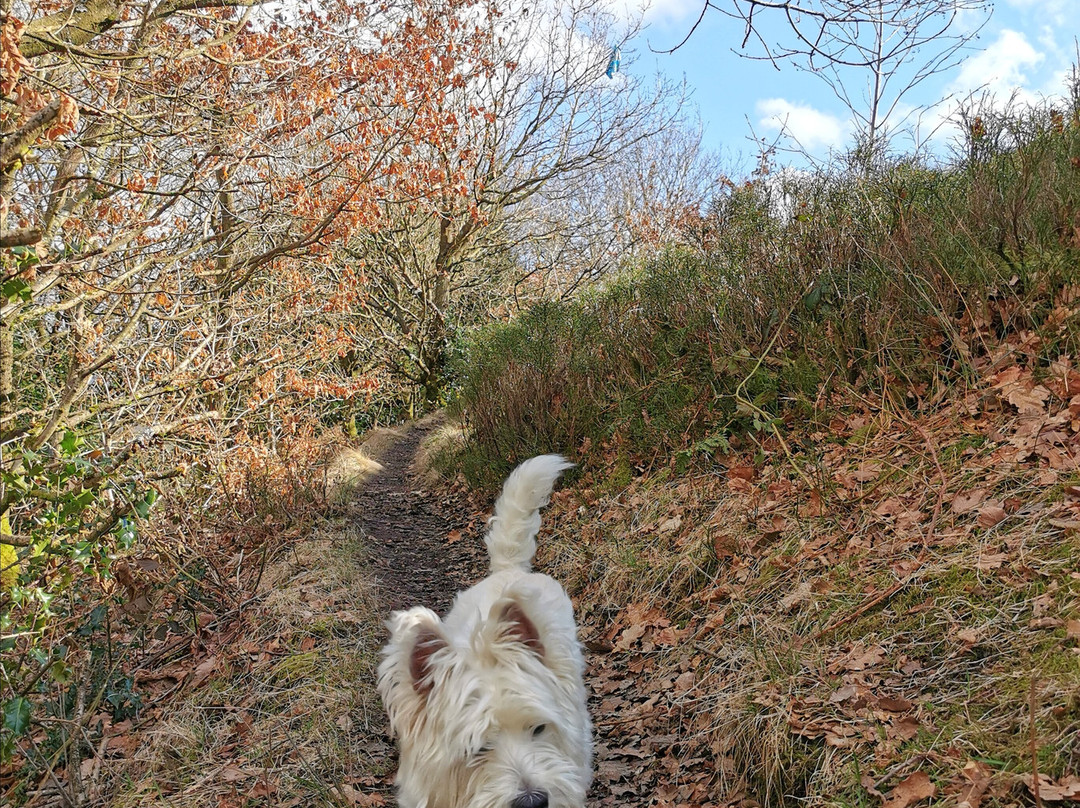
[[546, 116], [650, 197], [871, 53]]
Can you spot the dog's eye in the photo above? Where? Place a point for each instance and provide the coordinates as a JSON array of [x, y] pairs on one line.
[[483, 750], [539, 729]]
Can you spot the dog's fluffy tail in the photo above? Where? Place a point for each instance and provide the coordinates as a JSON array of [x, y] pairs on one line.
[[511, 536]]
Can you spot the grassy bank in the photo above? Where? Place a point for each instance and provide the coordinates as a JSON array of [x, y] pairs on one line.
[[829, 506], [893, 286]]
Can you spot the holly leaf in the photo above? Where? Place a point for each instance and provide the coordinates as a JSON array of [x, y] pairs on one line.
[[16, 289], [17, 715], [70, 444], [969, 500]]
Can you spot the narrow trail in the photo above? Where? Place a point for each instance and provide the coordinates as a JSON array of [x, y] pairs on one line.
[[407, 529]]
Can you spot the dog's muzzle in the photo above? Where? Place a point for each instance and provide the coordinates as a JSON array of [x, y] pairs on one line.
[[530, 799]]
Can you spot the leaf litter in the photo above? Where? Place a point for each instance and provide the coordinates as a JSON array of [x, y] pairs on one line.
[[899, 631], [874, 635]]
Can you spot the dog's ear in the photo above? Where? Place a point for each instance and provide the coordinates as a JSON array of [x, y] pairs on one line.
[[515, 625], [428, 641], [406, 674]]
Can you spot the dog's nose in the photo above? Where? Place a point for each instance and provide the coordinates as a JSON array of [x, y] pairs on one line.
[[530, 799]]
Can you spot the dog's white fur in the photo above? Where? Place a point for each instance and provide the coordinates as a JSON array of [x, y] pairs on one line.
[[488, 705]]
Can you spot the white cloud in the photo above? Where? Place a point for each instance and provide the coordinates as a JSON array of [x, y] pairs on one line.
[[670, 12], [1025, 68], [1048, 10], [810, 127], [666, 14], [1003, 67]]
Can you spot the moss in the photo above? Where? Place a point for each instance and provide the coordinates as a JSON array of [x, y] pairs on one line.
[[9, 558], [954, 453]]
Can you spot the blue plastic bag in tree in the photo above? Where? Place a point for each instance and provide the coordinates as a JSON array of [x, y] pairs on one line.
[[613, 65]]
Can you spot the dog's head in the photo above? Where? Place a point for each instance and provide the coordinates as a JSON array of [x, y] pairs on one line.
[[494, 719]]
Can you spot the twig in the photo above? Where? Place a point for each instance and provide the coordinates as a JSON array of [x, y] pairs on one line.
[[870, 604], [1034, 746]]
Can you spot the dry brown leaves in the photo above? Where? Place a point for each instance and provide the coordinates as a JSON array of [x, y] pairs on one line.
[[650, 748], [965, 483]]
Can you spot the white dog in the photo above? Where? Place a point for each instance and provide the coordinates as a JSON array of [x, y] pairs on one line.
[[488, 705]]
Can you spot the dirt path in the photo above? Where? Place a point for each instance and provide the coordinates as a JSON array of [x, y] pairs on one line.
[[407, 529]]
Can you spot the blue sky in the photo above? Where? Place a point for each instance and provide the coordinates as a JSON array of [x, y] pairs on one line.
[[1027, 48]]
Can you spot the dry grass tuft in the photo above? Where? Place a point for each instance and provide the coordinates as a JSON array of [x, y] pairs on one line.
[[446, 440], [347, 469], [379, 440], [290, 714]]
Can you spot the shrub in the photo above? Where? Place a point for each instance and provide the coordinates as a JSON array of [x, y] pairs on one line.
[[894, 283]]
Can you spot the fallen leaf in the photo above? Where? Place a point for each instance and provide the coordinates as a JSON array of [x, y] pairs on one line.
[[741, 473], [911, 790], [243, 726], [669, 636], [1065, 524], [1067, 788], [870, 785], [813, 506], [668, 525], [724, 546], [1046, 477], [889, 507], [910, 667], [453, 536], [148, 564], [990, 515], [991, 561], [978, 776], [843, 694], [800, 595], [1045, 622], [868, 470], [841, 737], [739, 485], [909, 519], [773, 528], [203, 670], [350, 795], [629, 637], [969, 636], [906, 728], [1018, 388], [969, 500], [894, 705], [234, 774], [872, 656], [263, 788], [1042, 605], [684, 684], [598, 645], [1072, 629]]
